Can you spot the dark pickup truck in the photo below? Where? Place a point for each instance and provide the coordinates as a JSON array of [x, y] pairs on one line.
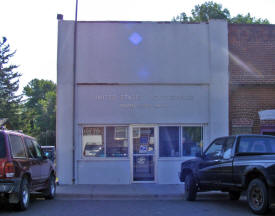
[[235, 164]]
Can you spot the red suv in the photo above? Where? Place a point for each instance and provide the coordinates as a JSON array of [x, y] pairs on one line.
[[24, 169]]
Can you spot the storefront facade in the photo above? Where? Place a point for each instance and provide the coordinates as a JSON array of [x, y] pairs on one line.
[[147, 97]]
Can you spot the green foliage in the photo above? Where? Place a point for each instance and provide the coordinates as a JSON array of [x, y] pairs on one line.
[[247, 19], [39, 110], [211, 10], [9, 84]]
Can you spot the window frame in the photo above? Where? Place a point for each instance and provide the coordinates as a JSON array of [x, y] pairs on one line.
[[232, 147], [222, 149], [36, 144], [82, 157], [179, 143], [180, 157], [237, 146], [22, 142], [27, 147]]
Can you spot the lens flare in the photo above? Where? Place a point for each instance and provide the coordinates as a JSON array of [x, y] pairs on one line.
[[135, 38]]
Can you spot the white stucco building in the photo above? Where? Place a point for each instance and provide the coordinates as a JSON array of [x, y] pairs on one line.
[[148, 95]]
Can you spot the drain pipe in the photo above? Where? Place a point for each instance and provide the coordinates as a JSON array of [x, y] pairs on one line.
[[74, 86]]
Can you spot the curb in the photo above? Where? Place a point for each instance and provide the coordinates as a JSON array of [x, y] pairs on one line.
[[66, 196]]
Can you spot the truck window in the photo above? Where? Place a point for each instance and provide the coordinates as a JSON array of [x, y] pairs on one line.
[[257, 145], [228, 145], [215, 150], [2, 146]]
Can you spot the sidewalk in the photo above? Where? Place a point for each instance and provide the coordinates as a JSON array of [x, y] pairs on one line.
[[121, 192]]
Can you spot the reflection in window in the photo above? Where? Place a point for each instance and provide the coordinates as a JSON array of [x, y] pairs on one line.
[[117, 141], [169, 141], [192, 140], [93, 141]]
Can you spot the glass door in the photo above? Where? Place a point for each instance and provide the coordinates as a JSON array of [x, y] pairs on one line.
[[143, 154]]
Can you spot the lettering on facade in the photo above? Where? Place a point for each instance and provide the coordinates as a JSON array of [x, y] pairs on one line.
[[156, 101]]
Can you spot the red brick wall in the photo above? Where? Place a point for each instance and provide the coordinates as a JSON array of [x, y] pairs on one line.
[[246, 101], [252, 73]]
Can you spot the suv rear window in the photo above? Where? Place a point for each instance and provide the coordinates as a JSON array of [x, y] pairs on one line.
[[256, 145], [2, 146], [17, 147]]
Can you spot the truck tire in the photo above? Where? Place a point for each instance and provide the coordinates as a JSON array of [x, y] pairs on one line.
[[257, 196], [24, 195], [51, 188], [234, 195], [190, 188]]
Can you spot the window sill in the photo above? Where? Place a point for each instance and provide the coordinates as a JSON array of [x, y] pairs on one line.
[[103, 159], [176, 158]]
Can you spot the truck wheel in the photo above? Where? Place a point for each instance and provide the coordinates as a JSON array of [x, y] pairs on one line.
[[234, 195], [24, 195], [51, 188], [190, 189], [257, 196]]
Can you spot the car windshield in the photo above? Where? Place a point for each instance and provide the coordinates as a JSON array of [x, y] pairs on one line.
[[256, 145], [2, 146]]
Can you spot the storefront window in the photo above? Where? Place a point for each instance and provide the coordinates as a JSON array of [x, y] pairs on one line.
[[169, 141], [93, 141], [192, 139], [117, 141]]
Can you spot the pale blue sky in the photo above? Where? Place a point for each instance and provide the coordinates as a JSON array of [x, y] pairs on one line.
[[31, 25]]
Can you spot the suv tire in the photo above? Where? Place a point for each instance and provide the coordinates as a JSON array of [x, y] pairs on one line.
[[50, 191], [190, 188], [234, 195], [24, 195], [257, 196]]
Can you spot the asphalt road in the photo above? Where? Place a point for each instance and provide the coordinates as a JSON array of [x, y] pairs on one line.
[[206, 204]]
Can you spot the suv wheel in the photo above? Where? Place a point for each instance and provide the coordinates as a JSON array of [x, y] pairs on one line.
[[190, 191], [234, 195], [257, 196], [24, 195], [50, 191]]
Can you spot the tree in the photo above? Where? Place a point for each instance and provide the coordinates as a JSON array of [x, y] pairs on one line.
[[9, 84], [211, 10], [39, 110], [37, 90], [240, 19]]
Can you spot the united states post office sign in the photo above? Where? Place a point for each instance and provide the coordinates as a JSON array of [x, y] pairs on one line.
[[142, 104]]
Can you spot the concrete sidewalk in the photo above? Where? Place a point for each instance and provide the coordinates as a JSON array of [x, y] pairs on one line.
[[121, 192]]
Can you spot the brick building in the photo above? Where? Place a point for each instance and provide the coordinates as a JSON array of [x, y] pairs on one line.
[[252, 78]]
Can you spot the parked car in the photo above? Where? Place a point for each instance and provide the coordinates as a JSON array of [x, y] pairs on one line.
[[24, 169], [235, 164]]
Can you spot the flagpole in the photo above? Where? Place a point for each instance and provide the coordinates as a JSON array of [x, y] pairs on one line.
[[74, 87]]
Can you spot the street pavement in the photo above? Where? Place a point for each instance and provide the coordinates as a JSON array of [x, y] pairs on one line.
[[207, 204]]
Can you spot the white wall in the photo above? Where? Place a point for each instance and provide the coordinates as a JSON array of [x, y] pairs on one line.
[[103, 172], [143, 104], [168, 53], [64, 115], [219, 79]]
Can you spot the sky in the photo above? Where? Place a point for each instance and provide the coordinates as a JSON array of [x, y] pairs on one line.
[[31, 25]]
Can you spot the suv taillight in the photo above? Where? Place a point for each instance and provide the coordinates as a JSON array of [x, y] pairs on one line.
[[9, 170]]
